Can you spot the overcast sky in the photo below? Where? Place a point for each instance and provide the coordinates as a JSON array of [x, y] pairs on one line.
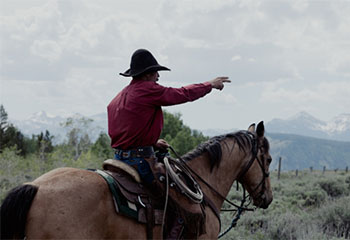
[[283, 57]]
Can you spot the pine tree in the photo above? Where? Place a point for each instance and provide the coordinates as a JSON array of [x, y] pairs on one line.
[[44, 144], [3, 128], [9, 134], [102, 147]]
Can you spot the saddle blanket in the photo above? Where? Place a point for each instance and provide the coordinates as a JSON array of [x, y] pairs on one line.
[[131, 204]]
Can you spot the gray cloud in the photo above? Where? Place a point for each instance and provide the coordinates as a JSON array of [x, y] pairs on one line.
[[281, 55]]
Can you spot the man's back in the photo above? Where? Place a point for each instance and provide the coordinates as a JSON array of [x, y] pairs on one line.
[[133, 119]]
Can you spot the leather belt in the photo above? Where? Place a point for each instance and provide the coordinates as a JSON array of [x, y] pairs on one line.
[[144, 152]]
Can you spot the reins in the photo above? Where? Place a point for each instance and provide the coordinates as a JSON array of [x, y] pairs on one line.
[[206, 183], [166, 200], [237, 217]]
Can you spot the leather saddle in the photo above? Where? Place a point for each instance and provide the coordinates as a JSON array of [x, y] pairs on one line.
[[145, 204], [133, 199]]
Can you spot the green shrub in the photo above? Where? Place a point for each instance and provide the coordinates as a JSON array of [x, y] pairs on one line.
[[285, 226], [295, 212], [347, 180], [10, 173], [333, 187], [314, 197], [255, 223], [334, 218]]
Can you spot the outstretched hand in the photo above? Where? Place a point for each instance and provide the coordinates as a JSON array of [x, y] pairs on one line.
[[218, 82]]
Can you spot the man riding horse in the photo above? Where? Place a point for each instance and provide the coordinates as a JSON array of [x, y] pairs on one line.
[[70, 203], [135, 117]]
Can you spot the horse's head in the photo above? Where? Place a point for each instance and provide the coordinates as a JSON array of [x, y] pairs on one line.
[[255, 173]]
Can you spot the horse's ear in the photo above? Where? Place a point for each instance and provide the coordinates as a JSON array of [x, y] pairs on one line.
[[260, 129], [252, 128]]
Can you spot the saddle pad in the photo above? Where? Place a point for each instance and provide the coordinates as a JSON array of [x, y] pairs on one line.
[[121, 204]]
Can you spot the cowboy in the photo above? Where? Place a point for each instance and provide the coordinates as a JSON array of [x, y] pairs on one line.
[[135, 117]]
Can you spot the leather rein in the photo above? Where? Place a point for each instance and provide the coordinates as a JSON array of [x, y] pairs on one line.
[[242, 207]]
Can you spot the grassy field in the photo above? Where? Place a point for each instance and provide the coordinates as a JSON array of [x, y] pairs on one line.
[[311, 205]]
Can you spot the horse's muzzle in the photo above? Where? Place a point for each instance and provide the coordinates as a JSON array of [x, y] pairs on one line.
[[263, 202]]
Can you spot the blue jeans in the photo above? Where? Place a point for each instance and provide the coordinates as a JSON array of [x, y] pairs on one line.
[[141, 166]]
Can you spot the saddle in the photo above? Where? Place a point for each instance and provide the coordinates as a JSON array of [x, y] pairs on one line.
[[146, 204]]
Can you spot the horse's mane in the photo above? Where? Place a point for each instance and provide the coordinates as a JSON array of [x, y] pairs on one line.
[[213, 147]]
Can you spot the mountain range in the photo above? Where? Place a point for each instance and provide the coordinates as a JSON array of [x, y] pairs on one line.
[[302, 141], [303, 124], [306, 125], [41, 121]]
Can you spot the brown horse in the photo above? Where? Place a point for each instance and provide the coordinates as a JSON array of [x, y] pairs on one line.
[[77, 204]]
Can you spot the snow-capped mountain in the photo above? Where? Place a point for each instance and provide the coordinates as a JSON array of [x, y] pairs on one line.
[[338, 124], [41, 121], [100, 122], [305, 124]]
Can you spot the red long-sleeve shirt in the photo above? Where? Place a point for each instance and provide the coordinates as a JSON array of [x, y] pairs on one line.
[[135, 116]]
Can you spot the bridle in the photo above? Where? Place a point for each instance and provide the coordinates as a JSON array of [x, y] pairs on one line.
[[242, 207], [262, 163]]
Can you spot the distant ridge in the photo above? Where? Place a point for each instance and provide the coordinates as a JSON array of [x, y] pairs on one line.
[[302, 123], [300, 152]]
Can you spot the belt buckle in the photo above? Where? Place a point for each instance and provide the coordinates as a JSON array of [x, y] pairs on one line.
[[126, 154], [139, 152]]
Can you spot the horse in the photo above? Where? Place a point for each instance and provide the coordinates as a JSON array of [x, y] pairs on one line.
[[69, 203]]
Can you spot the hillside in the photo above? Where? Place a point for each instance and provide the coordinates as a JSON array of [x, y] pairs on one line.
[[299, 152]]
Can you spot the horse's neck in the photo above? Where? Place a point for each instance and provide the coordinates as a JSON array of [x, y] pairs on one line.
[[221, 177]]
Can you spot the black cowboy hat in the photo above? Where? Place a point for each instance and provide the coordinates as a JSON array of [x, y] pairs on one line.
[[142, 61]]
